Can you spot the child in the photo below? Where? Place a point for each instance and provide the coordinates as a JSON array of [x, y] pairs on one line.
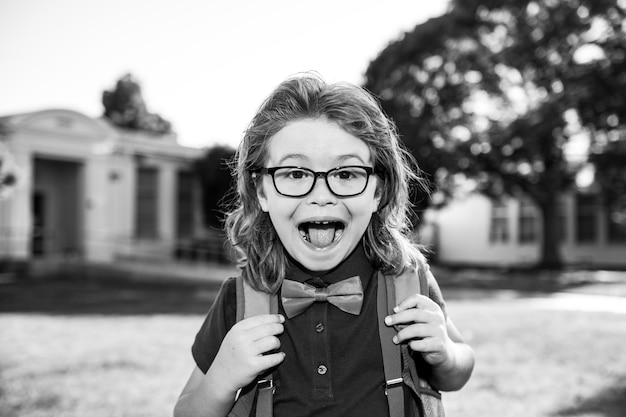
[[323, 196]]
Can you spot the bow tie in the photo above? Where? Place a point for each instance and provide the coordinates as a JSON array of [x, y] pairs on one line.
[[346, 295]]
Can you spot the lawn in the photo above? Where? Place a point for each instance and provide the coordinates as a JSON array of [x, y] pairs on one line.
[[72, 348]]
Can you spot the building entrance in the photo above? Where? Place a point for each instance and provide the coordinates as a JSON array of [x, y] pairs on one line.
[[56, 215]]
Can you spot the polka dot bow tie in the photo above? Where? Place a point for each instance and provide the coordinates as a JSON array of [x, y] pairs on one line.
[[346, 295]]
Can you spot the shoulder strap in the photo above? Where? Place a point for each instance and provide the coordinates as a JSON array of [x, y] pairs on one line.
[[251, 302], [392, 359], [410, 282], [396, 358]]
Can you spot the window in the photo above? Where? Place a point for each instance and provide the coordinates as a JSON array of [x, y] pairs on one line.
[[146, 211], [562, 219], [499, 231], [185, 206], [527, 222], [586, 216], [616, 220]]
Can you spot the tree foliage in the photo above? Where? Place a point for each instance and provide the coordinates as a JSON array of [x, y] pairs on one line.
[[125, 107], [216, 182], [498, 92]]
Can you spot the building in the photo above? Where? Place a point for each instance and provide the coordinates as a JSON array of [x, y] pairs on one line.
[[92, 191], [477, 231]]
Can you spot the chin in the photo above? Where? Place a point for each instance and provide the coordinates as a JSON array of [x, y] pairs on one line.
[[321, 260]]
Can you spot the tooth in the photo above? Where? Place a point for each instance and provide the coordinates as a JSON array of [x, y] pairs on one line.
[[303, 234]]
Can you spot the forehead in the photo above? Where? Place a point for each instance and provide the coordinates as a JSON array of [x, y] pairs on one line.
[[317, 141]]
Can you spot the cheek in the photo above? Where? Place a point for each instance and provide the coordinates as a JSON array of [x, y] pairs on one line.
[[363, 210], [280, 210]]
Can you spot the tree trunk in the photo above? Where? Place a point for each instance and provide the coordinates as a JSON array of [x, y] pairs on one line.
[[550, 256]]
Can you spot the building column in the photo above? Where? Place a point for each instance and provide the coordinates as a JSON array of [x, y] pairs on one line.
[[167, 205], [19, 206]]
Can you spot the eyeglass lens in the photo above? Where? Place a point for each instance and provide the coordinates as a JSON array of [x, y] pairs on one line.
[[342, 181]]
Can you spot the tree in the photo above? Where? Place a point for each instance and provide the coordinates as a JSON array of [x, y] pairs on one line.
[[125, 107], [216, 182], [494, 91], [610, 173]]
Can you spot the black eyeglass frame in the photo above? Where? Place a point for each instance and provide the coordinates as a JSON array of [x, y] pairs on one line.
[[317, 174]]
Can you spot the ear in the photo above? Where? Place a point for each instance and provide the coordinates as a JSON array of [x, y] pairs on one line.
[[377, 196], [260, 193], [376, 203]]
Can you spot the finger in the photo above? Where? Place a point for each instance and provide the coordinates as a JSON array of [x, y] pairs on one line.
[[264, 330], [412, 315], [256, 321], [414, 331], [269, 361], [267, 344], [427, 345], [415, 301]]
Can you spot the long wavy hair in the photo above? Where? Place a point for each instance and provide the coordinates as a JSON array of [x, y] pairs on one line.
[[387, 244]]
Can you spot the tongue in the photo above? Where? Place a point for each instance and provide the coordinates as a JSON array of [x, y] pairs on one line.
[[321, 235]]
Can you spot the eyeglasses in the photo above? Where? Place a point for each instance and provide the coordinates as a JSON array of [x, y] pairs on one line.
[[292, 181]]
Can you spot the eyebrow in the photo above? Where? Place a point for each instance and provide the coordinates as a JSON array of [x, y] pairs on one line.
[[340, 158]]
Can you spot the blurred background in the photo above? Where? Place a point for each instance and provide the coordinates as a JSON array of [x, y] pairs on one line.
[[118, 120]]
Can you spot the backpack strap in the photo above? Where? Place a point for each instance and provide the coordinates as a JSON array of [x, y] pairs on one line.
[[399, 367], [251, 302], [392, 359]]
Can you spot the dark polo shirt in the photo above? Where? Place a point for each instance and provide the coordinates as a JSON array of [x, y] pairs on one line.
[[333, 364]]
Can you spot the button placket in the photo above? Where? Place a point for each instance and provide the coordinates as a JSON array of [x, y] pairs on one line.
[[321, 366]]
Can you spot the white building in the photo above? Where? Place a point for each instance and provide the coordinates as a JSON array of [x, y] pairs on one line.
[[95, 192], [476, 231]]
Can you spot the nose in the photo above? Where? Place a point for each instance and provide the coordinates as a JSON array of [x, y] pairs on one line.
[[321, 194]]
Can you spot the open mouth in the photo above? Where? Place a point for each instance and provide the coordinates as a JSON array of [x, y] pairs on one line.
[[321, 233]]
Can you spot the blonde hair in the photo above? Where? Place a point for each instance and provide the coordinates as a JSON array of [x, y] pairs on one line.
[[386, 241]]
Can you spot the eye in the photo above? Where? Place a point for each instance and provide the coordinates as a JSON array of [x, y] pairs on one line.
[[293, 174], [297, 174], [349, 174], [344, 174]]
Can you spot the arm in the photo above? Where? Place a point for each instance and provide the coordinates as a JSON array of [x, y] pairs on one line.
[[241, 357], [438, 340], [193, 403]]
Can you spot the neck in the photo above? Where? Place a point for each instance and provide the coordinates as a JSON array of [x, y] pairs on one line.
[[355, 264]]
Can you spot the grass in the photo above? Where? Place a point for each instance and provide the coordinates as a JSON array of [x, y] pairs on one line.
[[94, 348], [94, 366], [534, 362]]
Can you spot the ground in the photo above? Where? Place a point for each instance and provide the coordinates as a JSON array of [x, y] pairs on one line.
[[547, 344]]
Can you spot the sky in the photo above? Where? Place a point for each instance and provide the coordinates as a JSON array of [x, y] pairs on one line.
[[204, 65]]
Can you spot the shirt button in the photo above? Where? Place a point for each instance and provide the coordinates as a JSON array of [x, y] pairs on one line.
[[322, 369], [319, 327]]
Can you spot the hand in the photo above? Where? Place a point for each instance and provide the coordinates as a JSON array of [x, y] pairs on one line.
[[423, 326], [243, 353]]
